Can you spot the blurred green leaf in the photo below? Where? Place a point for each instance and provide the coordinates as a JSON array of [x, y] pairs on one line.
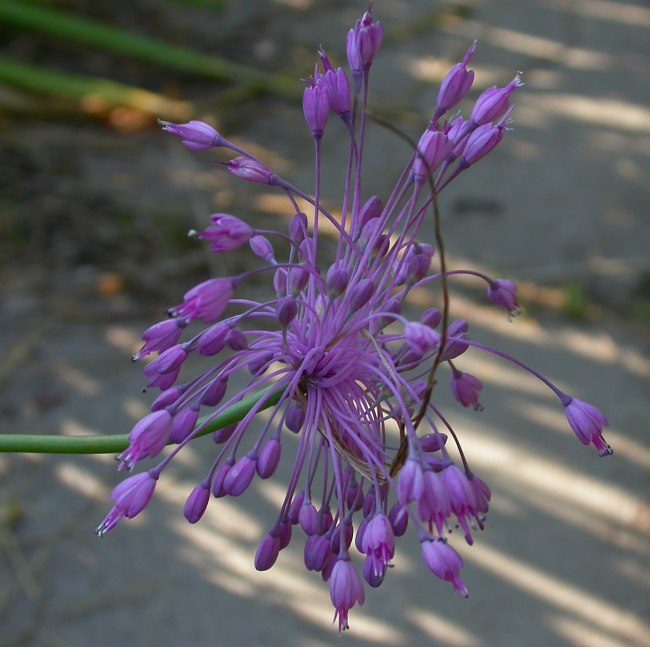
[[96, 94], [81, 30]]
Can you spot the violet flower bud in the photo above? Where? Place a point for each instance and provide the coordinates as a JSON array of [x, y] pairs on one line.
[[262, 248], [345, 590], [160, 337], [166, 398], [373, 571], [420, 337], [455, 347], [503, 293], [461, 497], [218, 482], [213, 340], [239, 477], [295, 417], [267, 461], [494, 102], [315, 106], [587, 422], [267, 552], [131, 497], [444, 562], [226, 232], [297, 280], [417, 268], [348, 533], [283, 531], [399, 518], [196, 503], [236, 340], [195, 135], [433, 148], [298, 228], [410, 483], [361, 531], [168, 361], [371, 209], [337, 86], [286, 311], [317, 552], [465, 388], [251, 170], [214, 393], [308, 518], [361, 293], [183, 424], [207, 300], [337, 280], [366, 40], [379, 540], [456, 83], [223, 434], [432, 442], [147, 438], [431, 317], [482, 142], [295, 507], [482, 494]]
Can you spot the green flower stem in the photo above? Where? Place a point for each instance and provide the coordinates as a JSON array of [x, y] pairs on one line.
[[41, 444]]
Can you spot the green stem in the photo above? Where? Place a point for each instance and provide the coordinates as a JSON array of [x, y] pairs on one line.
[[41, 444]]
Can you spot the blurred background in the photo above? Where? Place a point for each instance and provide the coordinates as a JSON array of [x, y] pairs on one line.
[[95, 205]]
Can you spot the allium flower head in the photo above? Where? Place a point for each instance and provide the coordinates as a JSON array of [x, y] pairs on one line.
[[332, 352]]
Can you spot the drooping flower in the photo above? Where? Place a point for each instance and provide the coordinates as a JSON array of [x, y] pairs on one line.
[[331, 352]]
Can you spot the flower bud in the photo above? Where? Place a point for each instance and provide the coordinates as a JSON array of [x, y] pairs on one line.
[[267, 552], [262, 248], [226, 232], [482, 142], [267, 461], [420, 337], [160, 337], [240, 476], [337, 280], [431, 317], [494, 102], [196, 503], [298, 228], [214, 393], [195, 135], [297, 280], [206, 300], [286, 311], [213, 339], [223, 434], [315, 106], [433, 148], [183, 424], [361, 293], [218, 489], [336, 84], [251, 170], [295, 417], [236, 340], [456, 83]]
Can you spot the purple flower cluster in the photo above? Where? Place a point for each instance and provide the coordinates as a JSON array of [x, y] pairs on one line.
[[347, 373]]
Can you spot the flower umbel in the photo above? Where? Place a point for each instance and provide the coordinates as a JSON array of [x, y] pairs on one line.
[[332, 353]]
